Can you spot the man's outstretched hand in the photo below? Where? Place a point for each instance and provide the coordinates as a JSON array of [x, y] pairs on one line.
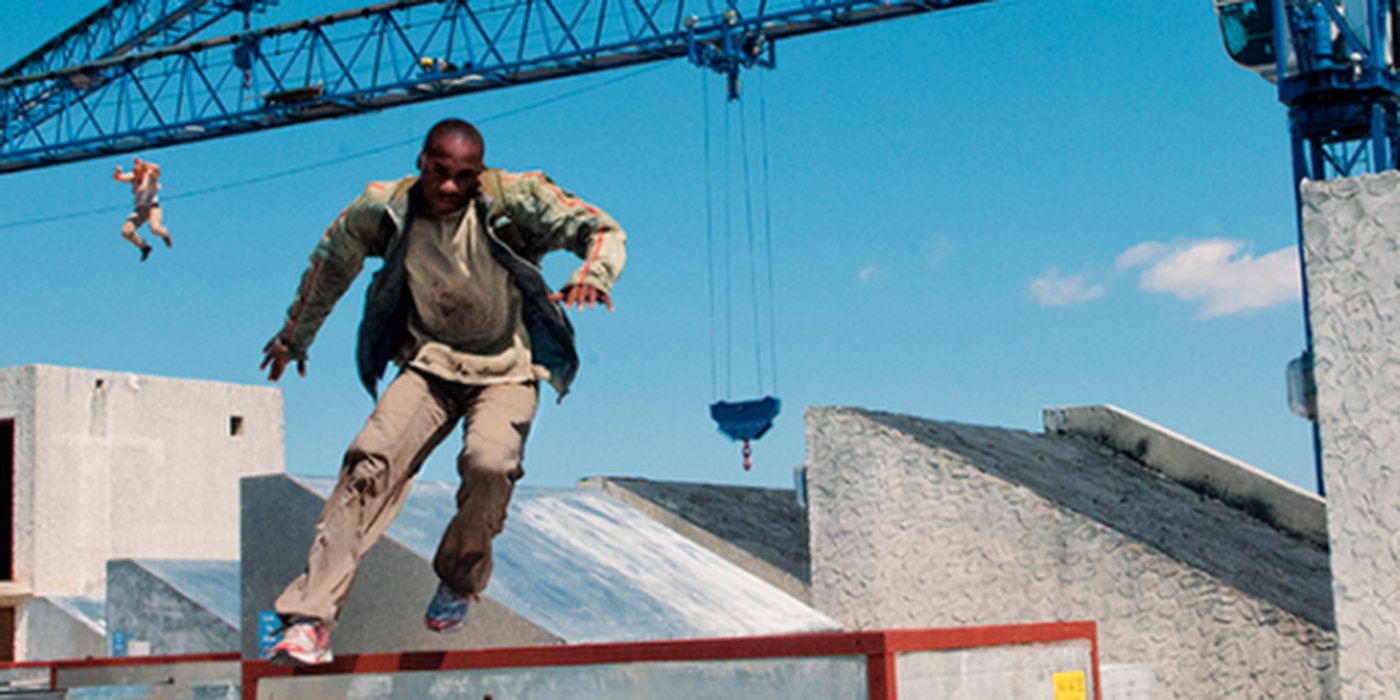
[[575, 296], [276, 359]]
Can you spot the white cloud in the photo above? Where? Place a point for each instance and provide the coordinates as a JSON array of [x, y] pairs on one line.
[[1050, 289], [1141, 253], [869, 273], [1221, 272]]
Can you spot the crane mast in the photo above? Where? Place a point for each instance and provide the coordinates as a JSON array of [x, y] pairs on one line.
[[140, 74], [1335, 67]]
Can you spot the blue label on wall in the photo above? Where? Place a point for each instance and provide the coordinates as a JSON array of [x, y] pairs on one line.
[[268, 627], [118, 644]]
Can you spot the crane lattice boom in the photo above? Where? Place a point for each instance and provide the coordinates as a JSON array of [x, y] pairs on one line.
[[155, 82]]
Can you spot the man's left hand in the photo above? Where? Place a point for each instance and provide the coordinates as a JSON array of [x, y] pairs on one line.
[[575, 296]]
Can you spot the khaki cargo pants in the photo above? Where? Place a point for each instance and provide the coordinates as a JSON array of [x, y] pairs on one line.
[[415, 414]]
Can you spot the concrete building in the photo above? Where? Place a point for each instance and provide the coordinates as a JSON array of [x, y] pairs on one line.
[[1207, 578], [100, 465]]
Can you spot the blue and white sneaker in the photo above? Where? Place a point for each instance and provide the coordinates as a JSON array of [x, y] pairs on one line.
[[447, 612]]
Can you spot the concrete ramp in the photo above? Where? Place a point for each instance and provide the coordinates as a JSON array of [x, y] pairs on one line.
[[762, 530], [394, 584], [172, 606], [571, 567], [66, 626]]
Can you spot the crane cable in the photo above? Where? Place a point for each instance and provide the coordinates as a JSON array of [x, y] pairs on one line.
[[768, 231], [726, 242], [748, 419]]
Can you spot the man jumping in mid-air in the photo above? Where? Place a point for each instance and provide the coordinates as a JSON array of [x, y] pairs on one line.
[[460, 306], [145, 183]]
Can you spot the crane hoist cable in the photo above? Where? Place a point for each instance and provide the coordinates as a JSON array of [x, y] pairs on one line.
[[748, 419]]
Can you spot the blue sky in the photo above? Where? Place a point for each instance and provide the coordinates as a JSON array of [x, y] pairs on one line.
[[975, 214]]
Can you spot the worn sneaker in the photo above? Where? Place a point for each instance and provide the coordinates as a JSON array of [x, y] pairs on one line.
[[305, 643], [447, 611]]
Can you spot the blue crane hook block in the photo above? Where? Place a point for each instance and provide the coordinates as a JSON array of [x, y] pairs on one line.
[[745, 420]]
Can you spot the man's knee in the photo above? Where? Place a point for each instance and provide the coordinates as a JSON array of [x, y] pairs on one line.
[[490, 458], [364, 473]]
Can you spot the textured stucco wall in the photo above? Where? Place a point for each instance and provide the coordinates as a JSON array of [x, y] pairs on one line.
[[912, 527], [1351, 232]]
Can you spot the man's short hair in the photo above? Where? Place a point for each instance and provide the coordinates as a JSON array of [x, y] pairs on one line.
[[452, 127]]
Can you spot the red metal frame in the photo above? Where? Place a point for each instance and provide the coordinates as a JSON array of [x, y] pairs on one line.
[[7, 464], [57, 665], [879, 647]]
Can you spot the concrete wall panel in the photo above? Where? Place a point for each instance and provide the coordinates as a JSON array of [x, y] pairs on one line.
[[1351, 231]]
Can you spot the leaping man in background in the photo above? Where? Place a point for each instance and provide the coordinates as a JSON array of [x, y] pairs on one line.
[[145, 183]]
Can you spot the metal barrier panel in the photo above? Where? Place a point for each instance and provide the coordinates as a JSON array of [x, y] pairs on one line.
[[180, 677], [172, 674], [1043, 661], [175, 681], [24, 679], [778, 679], [1052, 671]]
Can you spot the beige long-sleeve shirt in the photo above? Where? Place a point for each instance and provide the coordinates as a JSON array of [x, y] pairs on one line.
[[467, 326]]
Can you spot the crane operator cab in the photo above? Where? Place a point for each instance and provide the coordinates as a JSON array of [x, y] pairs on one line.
[[1248, 30], [1328, 34]]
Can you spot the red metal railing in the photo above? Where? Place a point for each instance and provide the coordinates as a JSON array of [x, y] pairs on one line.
[[880, 649]]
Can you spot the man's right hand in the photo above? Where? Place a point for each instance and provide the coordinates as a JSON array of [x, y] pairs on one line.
[[275, 360]]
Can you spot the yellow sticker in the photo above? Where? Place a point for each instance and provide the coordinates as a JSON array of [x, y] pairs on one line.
[[1069, 685]]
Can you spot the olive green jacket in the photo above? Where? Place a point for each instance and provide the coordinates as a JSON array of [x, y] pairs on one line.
[[526, 216]]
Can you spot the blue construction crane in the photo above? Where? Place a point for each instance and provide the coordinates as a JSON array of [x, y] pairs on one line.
[[1335, 67], [140, 74]]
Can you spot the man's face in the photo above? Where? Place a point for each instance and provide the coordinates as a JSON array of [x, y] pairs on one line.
[[451, 172]]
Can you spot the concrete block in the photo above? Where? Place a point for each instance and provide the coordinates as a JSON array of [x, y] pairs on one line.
[[113, 465], [392, 589], [174, 607], [64, 628], [921, 523], [1351, 236]]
